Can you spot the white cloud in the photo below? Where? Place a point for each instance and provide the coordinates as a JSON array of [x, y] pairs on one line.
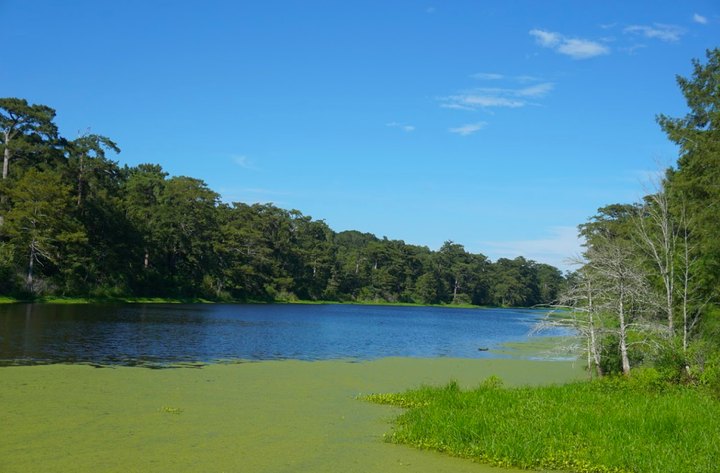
[[547, 39], [576, 48], [560, 246], [697, 18], [487, 76], [402, 126], [668, 33], [539, 90], [474, 101], [243, 162], [469, 129], [496, 97], [525, 79], [632, 49], [582, 49]]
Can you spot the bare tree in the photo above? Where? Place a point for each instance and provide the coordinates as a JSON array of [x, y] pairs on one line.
[[577, 309], [692, 305], [657, 235], [622, 288]]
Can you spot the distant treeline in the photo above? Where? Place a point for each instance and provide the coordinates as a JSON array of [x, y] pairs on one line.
[[74, 222]]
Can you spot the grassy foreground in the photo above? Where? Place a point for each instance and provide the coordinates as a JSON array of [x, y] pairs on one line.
[[614, 425], [284, 416]]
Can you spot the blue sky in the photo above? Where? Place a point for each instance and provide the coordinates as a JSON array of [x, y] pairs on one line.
[[498, 125]]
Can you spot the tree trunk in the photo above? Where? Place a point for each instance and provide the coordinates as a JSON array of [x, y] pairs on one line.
[[31, 264], [594, 352], [6, 158], [623, 335], [80, 183], [6, 164]]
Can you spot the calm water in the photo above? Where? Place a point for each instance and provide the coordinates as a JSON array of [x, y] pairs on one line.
[[155, 335]]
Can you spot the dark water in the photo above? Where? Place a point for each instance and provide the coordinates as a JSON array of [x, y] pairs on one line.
[[155, 335]]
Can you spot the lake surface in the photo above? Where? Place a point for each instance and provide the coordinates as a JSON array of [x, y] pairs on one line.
[[159, 334]]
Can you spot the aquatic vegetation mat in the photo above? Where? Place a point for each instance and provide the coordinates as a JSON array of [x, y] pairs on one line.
[[263, 417]]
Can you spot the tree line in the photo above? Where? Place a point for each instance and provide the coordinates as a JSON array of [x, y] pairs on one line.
[[647, 288], [73, 221]]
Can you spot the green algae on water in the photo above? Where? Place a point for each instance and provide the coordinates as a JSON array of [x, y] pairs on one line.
[[269, 416]]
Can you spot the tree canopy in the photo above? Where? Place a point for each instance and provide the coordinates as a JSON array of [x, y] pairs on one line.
[[80, 223]]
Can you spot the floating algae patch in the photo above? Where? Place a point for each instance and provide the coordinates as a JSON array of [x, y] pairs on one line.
[[542, 348], [276, 416]]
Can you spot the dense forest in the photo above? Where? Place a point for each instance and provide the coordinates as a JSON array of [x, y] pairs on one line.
[[649, 285], [73, 221]]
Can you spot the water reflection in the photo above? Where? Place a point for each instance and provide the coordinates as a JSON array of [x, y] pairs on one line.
[[155, 335]]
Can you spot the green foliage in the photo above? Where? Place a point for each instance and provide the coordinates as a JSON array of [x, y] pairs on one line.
[[9, 281], [695, 184], [640, 424], [76, 223], [652, 269]]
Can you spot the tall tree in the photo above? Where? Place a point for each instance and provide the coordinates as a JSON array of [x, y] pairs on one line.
[[696, 182], [88, 162], [454, 263], [187, 227], [40, 223], [17, 119], [21, 127], [143, 188]]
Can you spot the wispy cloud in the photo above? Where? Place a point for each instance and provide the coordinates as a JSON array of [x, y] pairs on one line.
[[538, 90], [576, 48], [547, 39], [404, 127], [667, 33], [487, 76], [481, 100], [697, 18], [469, 129], [244, 162], [557, 248], [496, 97]]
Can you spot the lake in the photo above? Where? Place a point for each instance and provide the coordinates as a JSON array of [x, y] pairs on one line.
[[156, 335]]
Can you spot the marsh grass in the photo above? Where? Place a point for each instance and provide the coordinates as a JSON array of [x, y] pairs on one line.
[[614, 425]]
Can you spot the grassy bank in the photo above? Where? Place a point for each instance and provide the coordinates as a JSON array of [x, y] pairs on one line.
[[105, 300], [261, 417], [615, 425], [200, 300]]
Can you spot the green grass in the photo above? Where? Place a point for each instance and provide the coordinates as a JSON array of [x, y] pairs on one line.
[[199, 300], [603, 426], [105, 300], [381, 303]]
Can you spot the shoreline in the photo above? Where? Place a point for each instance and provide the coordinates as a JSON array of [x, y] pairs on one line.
[[199, 300]]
